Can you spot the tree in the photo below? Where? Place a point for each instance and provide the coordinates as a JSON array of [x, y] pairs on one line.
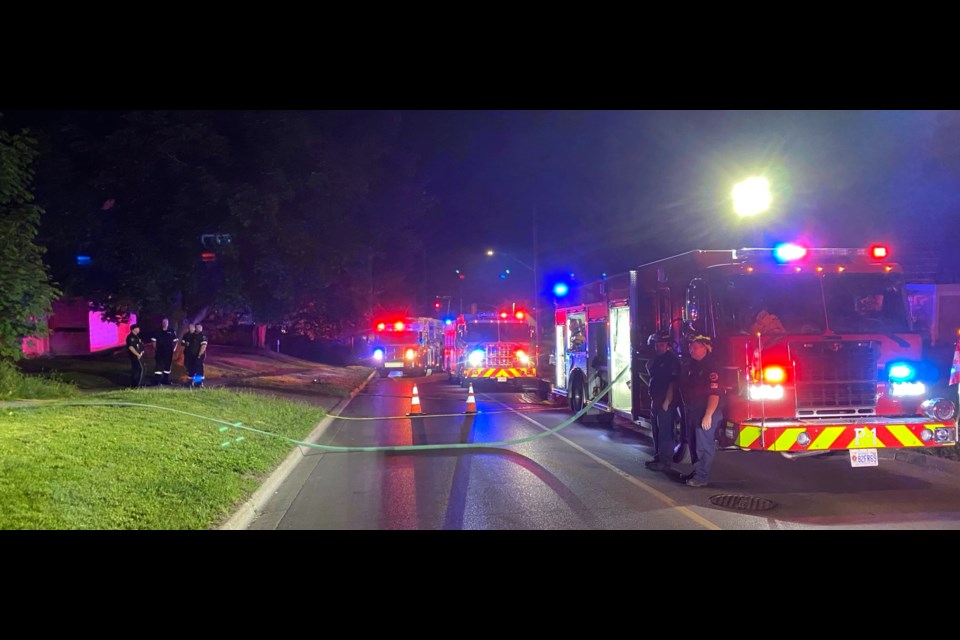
[[26, 292]]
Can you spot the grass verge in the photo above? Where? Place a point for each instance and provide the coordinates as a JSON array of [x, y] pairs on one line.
[[122, 467]]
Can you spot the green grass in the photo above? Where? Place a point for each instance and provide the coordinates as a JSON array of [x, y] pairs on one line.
[[112, 467], [14, 385]]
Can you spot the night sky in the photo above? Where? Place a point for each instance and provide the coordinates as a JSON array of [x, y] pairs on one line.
[[611, 189]]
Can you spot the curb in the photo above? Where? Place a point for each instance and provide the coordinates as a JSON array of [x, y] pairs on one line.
[[249, 510]]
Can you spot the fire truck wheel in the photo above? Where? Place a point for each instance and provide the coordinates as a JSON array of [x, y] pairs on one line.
[[543, 389], [577, 393]]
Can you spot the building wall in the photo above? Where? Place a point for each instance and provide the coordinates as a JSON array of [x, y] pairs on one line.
[[76, 330]]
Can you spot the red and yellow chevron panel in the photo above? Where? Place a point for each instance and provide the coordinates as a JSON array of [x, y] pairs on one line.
[[845, 436], [497, 372]]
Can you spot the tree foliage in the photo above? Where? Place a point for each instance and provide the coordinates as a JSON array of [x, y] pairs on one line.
[[26, 291], [316, 206]]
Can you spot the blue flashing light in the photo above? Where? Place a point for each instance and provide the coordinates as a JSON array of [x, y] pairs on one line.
[[378, 354], [901, 372], [503, 276], [788, 252], [448, 321], [84, 261], [561, 289]]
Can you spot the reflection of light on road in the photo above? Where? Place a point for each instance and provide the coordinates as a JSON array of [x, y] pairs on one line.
[[623, 474], [398, 504]]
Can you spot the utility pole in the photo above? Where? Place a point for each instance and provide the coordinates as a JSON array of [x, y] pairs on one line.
[[536, 291]]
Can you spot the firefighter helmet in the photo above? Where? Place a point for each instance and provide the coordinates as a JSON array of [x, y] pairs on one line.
[[658, 337]]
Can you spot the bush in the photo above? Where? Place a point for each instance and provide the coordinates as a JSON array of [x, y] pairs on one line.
[[14, 385]]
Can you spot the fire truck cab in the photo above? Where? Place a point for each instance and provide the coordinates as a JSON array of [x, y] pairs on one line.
[[412, 346], [496, 346], [815, 346]]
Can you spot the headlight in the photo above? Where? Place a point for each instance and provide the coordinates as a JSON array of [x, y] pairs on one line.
[[476, 358], [522, 357], [410, 354], [378, 354], [938, 409]]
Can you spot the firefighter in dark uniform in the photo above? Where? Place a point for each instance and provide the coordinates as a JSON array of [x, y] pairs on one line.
[[135, 351], [164, 342], [664, 370], [189, 360], [701, 391], [198, 344]]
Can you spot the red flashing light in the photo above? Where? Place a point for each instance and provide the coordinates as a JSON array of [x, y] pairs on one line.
[[208, 256], [503, 314], [436, 305], [879, 251], [774, 374], [398, 326], [519, 315], [381, 326]]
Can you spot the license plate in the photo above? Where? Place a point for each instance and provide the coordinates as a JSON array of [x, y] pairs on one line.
[[864, 458], [501, 378], [393, 365]]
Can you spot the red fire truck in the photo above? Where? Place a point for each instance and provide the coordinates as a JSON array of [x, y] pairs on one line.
[[413, 346], [816, 348], [490, 346]]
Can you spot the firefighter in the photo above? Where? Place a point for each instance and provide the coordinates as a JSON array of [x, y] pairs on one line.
[[664, 371], [164, 343], [189, 361], [700, 388], [135, 351], [198, 345]]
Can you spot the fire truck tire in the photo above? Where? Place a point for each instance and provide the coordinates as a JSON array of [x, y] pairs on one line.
[[543, 390], [577, 393]]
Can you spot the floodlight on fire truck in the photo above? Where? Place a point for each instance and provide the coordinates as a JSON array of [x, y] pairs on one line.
[[476, 357]]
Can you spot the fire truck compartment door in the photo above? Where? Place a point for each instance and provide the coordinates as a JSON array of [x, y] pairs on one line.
[[561, 359], [620, 356]]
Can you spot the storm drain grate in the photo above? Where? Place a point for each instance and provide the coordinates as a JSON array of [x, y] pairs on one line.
[[742, 503]]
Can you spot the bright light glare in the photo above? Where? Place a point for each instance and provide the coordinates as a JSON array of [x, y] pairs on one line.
[[787, 251], [476, 358], [752, 196]]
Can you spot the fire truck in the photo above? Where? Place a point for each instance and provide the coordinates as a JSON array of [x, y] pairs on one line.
[[493, 346], [413, 346], [815, 345]]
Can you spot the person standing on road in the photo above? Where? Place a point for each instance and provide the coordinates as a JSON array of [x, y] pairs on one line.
[[198, 344], [164, 342], [700, 388], [135, 351], [189, 359], [664, 371]]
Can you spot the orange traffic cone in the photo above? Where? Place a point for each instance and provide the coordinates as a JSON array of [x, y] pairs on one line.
[[415, 403], [471, 401]]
